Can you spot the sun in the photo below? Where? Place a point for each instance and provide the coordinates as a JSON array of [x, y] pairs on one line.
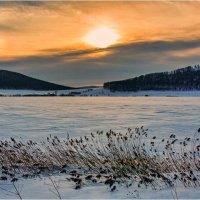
[[2, 42], [102, 37]]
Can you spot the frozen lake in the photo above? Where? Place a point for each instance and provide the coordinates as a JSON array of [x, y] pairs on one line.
[[37, 117]]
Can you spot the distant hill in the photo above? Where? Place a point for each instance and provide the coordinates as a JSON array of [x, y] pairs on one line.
[[187, 78], [13, 80]]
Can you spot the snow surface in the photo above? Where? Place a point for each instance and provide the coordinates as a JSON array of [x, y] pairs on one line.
[[101, 92], [42, 188], [36, 118]]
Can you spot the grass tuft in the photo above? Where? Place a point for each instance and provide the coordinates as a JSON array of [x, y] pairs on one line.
[[110, 158]]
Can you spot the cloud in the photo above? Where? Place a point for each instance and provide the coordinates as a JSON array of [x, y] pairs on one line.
[[7, 28], [44, 39], [46, 25], [124, 61], [186, 53]]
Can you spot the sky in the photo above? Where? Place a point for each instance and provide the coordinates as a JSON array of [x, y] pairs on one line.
[[89, 43]]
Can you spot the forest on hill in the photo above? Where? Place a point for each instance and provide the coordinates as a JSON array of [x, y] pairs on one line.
[[187, 78]]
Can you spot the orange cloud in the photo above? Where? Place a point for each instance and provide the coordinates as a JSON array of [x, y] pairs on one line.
[[29, 27], [185, 53]]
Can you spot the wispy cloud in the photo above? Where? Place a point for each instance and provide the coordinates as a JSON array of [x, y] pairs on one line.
[[186, 53], [117, 62], [45, 39]]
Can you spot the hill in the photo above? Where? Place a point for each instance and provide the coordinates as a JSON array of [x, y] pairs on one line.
[[187, 78], [13, 80]]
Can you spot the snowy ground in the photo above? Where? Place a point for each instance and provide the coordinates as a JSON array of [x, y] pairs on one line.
[[100, 92], [42, 188], [36, 118]]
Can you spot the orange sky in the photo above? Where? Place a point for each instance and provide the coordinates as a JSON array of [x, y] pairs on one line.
[[28, 30], [58, 28]]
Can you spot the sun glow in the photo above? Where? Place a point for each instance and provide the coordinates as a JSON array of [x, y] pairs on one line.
[[2, 42], [102, 37]]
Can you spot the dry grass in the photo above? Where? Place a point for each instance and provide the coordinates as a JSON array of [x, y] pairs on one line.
[[119, 157]]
